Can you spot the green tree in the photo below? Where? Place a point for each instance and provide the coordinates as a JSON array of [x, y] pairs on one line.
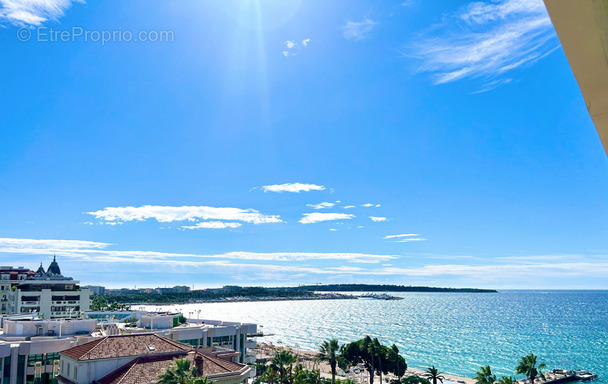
[[485, 376], [329, 352], [99, 303], [305, 376], [375, 357], [507, 380], [527, 366], [413, 379], [395, 362], [283, 362], [180, 373], [433, 374]]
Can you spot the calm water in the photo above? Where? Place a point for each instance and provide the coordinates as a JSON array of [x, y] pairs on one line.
[[455, 332]]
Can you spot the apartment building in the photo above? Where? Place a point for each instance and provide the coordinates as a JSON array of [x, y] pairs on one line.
[[46, 293]]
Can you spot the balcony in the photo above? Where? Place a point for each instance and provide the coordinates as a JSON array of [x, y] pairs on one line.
[[30, 303]]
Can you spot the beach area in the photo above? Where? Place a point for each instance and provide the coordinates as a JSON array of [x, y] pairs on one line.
[[308, 360]]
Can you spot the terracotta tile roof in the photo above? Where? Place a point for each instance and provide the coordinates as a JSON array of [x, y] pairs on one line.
[[125, 345], [147, 369]]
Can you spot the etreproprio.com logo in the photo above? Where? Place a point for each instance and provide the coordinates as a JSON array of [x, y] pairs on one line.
[[79, 34]]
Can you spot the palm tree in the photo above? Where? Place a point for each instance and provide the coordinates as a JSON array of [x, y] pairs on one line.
[[434, 374], [281, 361], [328, 352], [378, 351], [180, 373], [485, 376], [507, 380], [527, 366]]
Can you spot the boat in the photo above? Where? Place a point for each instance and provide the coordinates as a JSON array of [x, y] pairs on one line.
[[584, 375]]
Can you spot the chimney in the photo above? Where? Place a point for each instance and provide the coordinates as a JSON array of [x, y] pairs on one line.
[[198, 363]]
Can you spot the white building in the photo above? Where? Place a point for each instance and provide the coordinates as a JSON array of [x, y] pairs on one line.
[[29, 348], [46, 293], [196, 332], [142, 358]]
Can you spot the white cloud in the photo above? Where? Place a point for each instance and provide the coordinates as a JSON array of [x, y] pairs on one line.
[[292, 47], [321, 205], [18, 245], [408, 239], [349, 207], [486, 40], [99, 251], [358, 29], [317, 217], [548, 267], [402, 235], [33, 12], [333, 229], [292, 187], [211, 225], [165, 214], [369, 205], [378, 218]]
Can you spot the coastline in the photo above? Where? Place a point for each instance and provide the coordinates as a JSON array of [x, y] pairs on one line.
[[250, 299]]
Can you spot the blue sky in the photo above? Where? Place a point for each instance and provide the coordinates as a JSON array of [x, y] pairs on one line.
[[285, 142]]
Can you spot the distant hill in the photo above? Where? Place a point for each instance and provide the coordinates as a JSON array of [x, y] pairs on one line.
[[388, 288]]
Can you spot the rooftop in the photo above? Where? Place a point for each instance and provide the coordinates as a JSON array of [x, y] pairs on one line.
[[126, 345], [147, 369]]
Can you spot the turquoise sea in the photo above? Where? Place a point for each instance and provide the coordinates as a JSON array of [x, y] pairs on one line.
[[456, 332]]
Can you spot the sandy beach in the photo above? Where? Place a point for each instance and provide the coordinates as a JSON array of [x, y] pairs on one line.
[[307, 359]]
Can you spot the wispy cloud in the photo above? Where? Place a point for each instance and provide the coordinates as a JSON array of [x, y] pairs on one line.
[[378, 218], [100, 252], [33, 12], [402, 235], [409, 239], [369, 205], [292, 187], [486, 40], [317, 217], [348, 206], [211, 225], [165, 214], [404, 238], [494, 273], [321, 205], [358, 30]]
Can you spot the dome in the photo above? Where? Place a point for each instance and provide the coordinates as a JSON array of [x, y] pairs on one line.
[[53, 269], [40, 271]]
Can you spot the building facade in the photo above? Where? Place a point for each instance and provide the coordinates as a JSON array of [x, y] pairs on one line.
[[48, 293]]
